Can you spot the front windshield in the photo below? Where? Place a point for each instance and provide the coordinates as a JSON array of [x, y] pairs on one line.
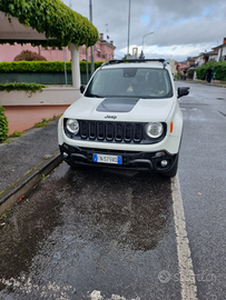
[[130, 82]]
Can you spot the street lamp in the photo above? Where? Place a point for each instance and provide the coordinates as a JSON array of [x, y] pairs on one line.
[[128, 28], [143, 39]]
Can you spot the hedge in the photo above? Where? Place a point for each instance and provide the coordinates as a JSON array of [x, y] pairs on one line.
[[3, 125], [42, 66], [29, 87], [219, 69]]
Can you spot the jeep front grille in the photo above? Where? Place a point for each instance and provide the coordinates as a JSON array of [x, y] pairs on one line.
[[107, 131], [111, 131]]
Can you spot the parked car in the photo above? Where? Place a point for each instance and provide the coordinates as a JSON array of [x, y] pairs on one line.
[[128, 117]]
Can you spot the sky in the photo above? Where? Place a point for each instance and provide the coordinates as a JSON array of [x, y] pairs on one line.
[[170, 29]]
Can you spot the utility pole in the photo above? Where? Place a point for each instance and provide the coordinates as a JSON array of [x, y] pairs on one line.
[[91, 20]]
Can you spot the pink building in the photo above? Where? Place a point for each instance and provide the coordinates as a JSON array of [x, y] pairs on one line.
[[102, 51]]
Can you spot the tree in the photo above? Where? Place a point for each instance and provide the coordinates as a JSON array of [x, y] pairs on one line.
[[141, 56], [29, 56], [60, 24], [127, 56]]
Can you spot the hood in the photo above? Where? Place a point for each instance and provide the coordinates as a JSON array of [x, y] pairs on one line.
[[121, 109], [120, 105]]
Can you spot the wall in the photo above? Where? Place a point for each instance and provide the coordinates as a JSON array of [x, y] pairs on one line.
[[102, 51], [48, 96], [9, 52]]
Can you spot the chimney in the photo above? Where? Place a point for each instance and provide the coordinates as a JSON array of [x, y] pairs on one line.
[[111, 42], [101, 36], [224, 42]]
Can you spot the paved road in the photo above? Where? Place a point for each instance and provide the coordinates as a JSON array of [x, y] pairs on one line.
[[101, 234], [202, 174]]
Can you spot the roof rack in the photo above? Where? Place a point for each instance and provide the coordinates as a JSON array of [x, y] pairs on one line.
[[119, 61]]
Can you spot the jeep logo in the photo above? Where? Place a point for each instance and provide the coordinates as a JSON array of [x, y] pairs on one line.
[[110, 117]]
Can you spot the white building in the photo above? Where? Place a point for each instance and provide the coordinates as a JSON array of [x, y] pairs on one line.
[[221, 50], [205, 57]]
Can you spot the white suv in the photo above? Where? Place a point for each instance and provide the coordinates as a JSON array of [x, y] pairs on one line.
[[128, 117]]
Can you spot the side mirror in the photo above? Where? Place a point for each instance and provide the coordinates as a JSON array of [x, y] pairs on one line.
[[82, 88], [183, 91]]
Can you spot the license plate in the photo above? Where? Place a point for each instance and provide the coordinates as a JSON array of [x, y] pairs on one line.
[[107, 159]]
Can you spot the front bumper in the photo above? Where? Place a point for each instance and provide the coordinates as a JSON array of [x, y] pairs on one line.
[[143, 161]]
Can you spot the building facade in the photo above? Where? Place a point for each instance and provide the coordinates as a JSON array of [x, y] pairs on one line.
[[102, 51], [221, 49], [205, 57]]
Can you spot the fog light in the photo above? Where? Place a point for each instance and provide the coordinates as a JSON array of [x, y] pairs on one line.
[[164, 163], [65, 155]]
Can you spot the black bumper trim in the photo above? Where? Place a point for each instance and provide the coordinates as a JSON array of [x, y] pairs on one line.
[[144, 161]]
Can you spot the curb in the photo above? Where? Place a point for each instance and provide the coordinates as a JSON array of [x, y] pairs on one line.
[[24, 184]]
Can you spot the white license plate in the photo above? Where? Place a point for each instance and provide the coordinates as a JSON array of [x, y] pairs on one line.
[[107, 159]]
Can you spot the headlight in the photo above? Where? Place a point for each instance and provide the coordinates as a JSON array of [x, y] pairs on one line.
[[72, 126], [154, 130]]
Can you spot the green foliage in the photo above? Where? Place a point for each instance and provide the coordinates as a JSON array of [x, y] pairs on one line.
[[34, 67], [127, 56], [54, 118], [17, 134], [60, 24], [3, 125], [220, 71], [97, 64], [42, 66], [30, 87], [29, 56], [202, 70], [218, 67], [191, 71], [43, 123]]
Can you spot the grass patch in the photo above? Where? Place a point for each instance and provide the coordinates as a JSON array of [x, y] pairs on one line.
[[17, 134], [8, 141], [45, 122], [2, 216]]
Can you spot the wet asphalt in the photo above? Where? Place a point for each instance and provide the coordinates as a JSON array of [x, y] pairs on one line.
[[103, 234], [92, 230], [202, 175]]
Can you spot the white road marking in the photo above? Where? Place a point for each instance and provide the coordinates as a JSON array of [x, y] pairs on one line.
[[49, 290], [187, 276], [96, 295]]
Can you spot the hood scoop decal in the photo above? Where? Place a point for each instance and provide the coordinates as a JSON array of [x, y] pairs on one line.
[[117, 105]]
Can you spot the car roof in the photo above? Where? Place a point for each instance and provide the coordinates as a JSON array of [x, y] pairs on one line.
[[135, 63]]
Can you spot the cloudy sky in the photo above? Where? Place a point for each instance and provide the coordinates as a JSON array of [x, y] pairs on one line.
[[181, 28]]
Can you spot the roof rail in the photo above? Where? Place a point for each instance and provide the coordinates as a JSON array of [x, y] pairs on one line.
[[119, 61]]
